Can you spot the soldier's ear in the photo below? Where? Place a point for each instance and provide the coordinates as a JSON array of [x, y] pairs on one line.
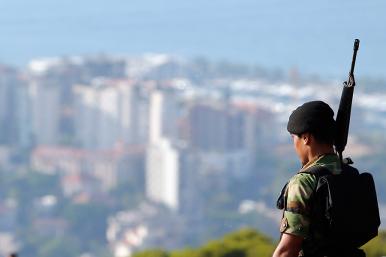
[[306, 138]]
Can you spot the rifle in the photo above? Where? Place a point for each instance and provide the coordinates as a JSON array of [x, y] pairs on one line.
[[344, 111]]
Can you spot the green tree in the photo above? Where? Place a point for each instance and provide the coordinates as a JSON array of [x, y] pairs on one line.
[[243, 243], [377, 246], [152, 253]]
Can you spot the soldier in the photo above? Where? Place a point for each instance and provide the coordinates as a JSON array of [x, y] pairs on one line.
[[312, 128]]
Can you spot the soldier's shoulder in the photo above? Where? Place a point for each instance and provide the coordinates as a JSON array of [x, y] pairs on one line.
[[303, 178], [300, 188]]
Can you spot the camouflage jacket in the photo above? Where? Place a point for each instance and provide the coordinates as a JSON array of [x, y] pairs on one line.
[[297, 203]]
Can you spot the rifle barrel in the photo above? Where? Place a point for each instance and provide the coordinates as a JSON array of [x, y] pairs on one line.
[[354, 57]]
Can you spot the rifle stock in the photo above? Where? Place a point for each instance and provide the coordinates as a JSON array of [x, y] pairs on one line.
[[344, 111]]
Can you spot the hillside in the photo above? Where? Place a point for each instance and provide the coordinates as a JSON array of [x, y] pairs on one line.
[[248, 243]]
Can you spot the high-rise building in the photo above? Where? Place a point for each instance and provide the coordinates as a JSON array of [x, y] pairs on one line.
[[172, 177], [163, 115], [86, 116], [45, 103], [215, 128], [24, 117], [15, 109], [162, 174], [163, 160], [6, 99], [108, 114]]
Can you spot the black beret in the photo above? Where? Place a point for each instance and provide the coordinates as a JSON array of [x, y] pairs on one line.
[[314, 116]]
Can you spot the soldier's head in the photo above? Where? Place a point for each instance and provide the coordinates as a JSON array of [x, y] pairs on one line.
[[313, 120]]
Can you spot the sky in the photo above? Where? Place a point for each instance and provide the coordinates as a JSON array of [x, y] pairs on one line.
[[315, 37]]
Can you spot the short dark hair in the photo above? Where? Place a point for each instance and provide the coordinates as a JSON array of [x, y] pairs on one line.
[[324, 137]]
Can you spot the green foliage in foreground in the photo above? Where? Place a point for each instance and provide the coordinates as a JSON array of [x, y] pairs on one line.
[[249, 243], [243, 243], [377, 246]]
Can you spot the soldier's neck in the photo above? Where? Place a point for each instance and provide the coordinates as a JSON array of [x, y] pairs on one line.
[[317, 151]]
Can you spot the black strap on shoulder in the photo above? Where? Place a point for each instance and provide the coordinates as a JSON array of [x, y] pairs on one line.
[[318, 171], [282, 200]]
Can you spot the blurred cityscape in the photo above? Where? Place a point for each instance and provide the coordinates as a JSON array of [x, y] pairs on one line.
[[105, 155]]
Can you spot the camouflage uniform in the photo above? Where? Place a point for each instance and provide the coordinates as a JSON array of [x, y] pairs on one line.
[[298, 199]]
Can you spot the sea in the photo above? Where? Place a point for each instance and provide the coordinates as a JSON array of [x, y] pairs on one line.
[[311, 37]]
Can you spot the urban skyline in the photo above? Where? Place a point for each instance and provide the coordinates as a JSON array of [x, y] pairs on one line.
[[156, 142]]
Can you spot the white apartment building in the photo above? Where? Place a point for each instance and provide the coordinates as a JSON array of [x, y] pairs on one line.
[[163, 114], [107, 115], [162, 174], [163, 159]]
